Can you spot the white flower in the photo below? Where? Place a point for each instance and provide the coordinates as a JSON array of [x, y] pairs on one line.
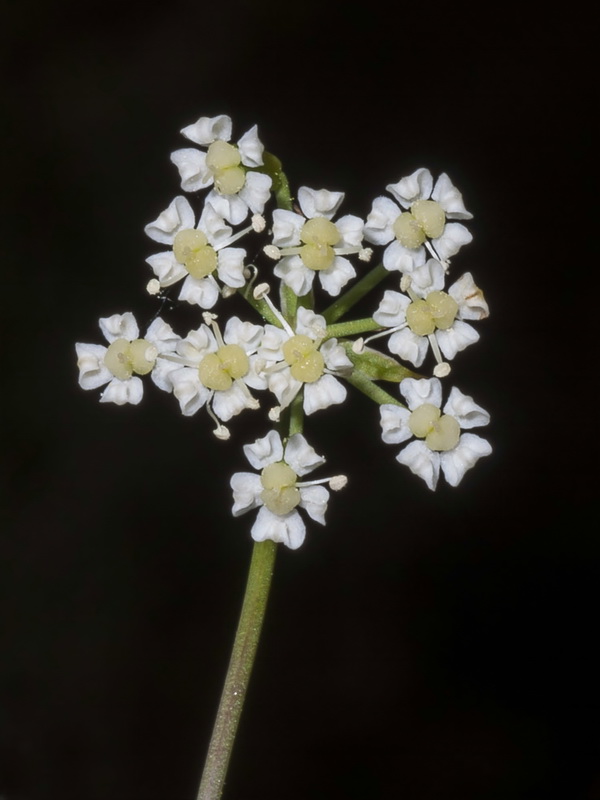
[[427, 209], [126, 357], [216, 370], [277, 492], [439, 442], [227, 167], [313, 244], [430, 315], [198, 251], [292, 359]]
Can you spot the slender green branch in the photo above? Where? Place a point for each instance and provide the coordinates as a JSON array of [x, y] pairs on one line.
[[344, 303], [240, 667], [372, 390], [352, 327]]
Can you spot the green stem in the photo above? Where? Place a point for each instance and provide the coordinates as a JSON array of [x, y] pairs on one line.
[[364, 384], [240, 668], [352, 328], [344, 303]]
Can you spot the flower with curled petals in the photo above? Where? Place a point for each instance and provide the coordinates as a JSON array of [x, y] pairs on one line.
[[198, 252], [229, 168], [295, 359], [439, 442], [428, 315], [421, 225], [126, 357], [312, 243], [277, 492]]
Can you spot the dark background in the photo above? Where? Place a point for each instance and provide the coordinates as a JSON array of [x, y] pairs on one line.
[[420, 645]]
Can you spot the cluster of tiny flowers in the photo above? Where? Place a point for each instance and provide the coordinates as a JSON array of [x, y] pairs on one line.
[[304, 361]]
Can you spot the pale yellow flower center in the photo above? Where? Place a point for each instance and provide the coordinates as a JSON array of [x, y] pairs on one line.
[[437, 310], [440, 431], [219, 370], [280, 494], [319, 235], [223, 160], [191, 248], [426, 218], [123, 358], [301, 353]]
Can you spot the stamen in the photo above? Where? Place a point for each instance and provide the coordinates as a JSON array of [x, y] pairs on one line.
[[336, 483], [153, 286], [379, 335], [365, 254], [221, 432], [258, 223], [272, 251], [262, 293], [442, 368]]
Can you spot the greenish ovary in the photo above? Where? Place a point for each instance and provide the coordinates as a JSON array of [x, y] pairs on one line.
[[124, 358], [440, 431], [426, 218], [280, 494], [218, 371], [437, 310], [319, 236], [191, 249], [223, 160], [306, 363]]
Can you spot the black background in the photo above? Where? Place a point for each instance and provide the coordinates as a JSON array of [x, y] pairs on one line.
[[420, 645]]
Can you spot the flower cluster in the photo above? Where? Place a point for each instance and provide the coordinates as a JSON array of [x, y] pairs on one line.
[[289, 358]]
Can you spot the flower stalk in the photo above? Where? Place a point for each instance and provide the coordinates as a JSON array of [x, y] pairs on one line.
[[239, 671]]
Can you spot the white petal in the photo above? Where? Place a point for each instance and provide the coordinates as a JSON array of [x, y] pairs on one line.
[[166, 267], [203, 292], [465, 410], [294, 274], [207, 129], [256, 191], [456, 338], [335, 356], [470, 299], [193, 171], [272, 341], [188, 390], [283, 386], [466, 454], [229, 206], [351, 228], [178, 216], [398, 257], [392, 309], [288, 530], [450, 199], [251, 148], [394, 423], [161, 374], [197, 344], [231, 402], [264, 451], [310, 324], [414, 187], [378, 225], [286, 227], [247, 489], [90, 361], [337, 275], [409, 346], [452, 239], [161, 334], [119, 326], [245, 334], [121, 392], [314, 501], [429, 277], [300, 456], [325, 392], [319, 202], [422, 461], [230, 266], [217, 231], [423, 390]]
